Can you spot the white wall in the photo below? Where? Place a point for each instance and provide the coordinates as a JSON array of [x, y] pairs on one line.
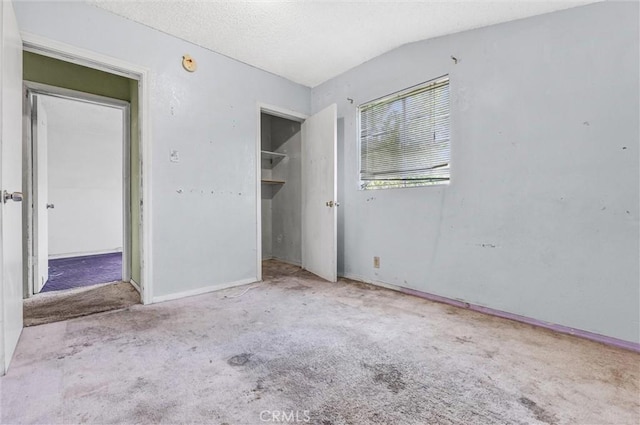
[[541, 216], [204, 207], [85, 143]]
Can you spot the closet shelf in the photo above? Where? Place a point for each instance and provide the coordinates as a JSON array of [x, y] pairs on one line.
[[272, 155], [271, 159], [269, 181]]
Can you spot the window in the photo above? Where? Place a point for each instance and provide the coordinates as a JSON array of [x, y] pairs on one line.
[[405, 138]]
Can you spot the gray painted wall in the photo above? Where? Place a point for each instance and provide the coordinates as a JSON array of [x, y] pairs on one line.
[[286, 138], [541, 216], [206, 235]]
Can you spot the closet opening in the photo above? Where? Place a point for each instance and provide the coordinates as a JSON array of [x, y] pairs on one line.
[[281, 195]]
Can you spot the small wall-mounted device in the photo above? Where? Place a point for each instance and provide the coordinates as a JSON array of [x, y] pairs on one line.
[[189, 63]]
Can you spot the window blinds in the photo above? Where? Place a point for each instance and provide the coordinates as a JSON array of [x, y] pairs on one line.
[[405, 137]]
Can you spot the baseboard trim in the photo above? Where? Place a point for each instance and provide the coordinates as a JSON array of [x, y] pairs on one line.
[[135, 285], [620, 343], [204, 290], [83, 254]]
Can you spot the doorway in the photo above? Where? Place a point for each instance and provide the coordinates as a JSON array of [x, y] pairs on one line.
[[296, 217], [79, 187], [79, 197], [94, 230], [281, 183]]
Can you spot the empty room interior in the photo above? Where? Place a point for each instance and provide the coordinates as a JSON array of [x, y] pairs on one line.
[[320, 212]]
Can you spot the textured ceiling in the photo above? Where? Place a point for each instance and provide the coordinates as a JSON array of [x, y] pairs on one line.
[[310, 42]]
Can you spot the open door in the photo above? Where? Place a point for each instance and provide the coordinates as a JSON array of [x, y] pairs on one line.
[[10, 184], [319, 191], [41, 198]]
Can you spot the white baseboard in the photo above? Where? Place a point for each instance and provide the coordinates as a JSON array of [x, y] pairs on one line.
[[83, 254], [204, 290]]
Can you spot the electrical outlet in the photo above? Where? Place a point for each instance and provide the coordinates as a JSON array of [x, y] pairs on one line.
[[376, 262], [174, 156]]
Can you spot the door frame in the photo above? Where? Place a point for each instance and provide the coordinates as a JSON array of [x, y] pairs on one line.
[[57, 50], [30, 169], [282, 113]]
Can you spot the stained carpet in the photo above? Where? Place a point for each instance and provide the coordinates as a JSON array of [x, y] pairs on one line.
[[300, 348], [63, 305]]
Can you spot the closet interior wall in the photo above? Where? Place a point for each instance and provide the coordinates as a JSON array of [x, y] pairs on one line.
[[281, 141]]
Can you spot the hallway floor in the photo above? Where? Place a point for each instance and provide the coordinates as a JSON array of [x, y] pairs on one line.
[[343, 353], [87, 270]]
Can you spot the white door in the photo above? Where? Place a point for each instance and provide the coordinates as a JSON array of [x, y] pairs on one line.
[[10, 184], [319, 191], [41, 195]]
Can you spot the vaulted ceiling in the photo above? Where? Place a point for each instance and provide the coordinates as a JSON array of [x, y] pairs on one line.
[[310, 42]]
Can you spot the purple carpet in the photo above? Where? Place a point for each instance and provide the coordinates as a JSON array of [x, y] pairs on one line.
[[75, 272]]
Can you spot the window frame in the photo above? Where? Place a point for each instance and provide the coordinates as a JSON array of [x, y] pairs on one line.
[[371, 184]]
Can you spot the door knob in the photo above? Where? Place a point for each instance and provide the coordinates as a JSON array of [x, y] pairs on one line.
[[329, 204], [14, 196], [50, 206]]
